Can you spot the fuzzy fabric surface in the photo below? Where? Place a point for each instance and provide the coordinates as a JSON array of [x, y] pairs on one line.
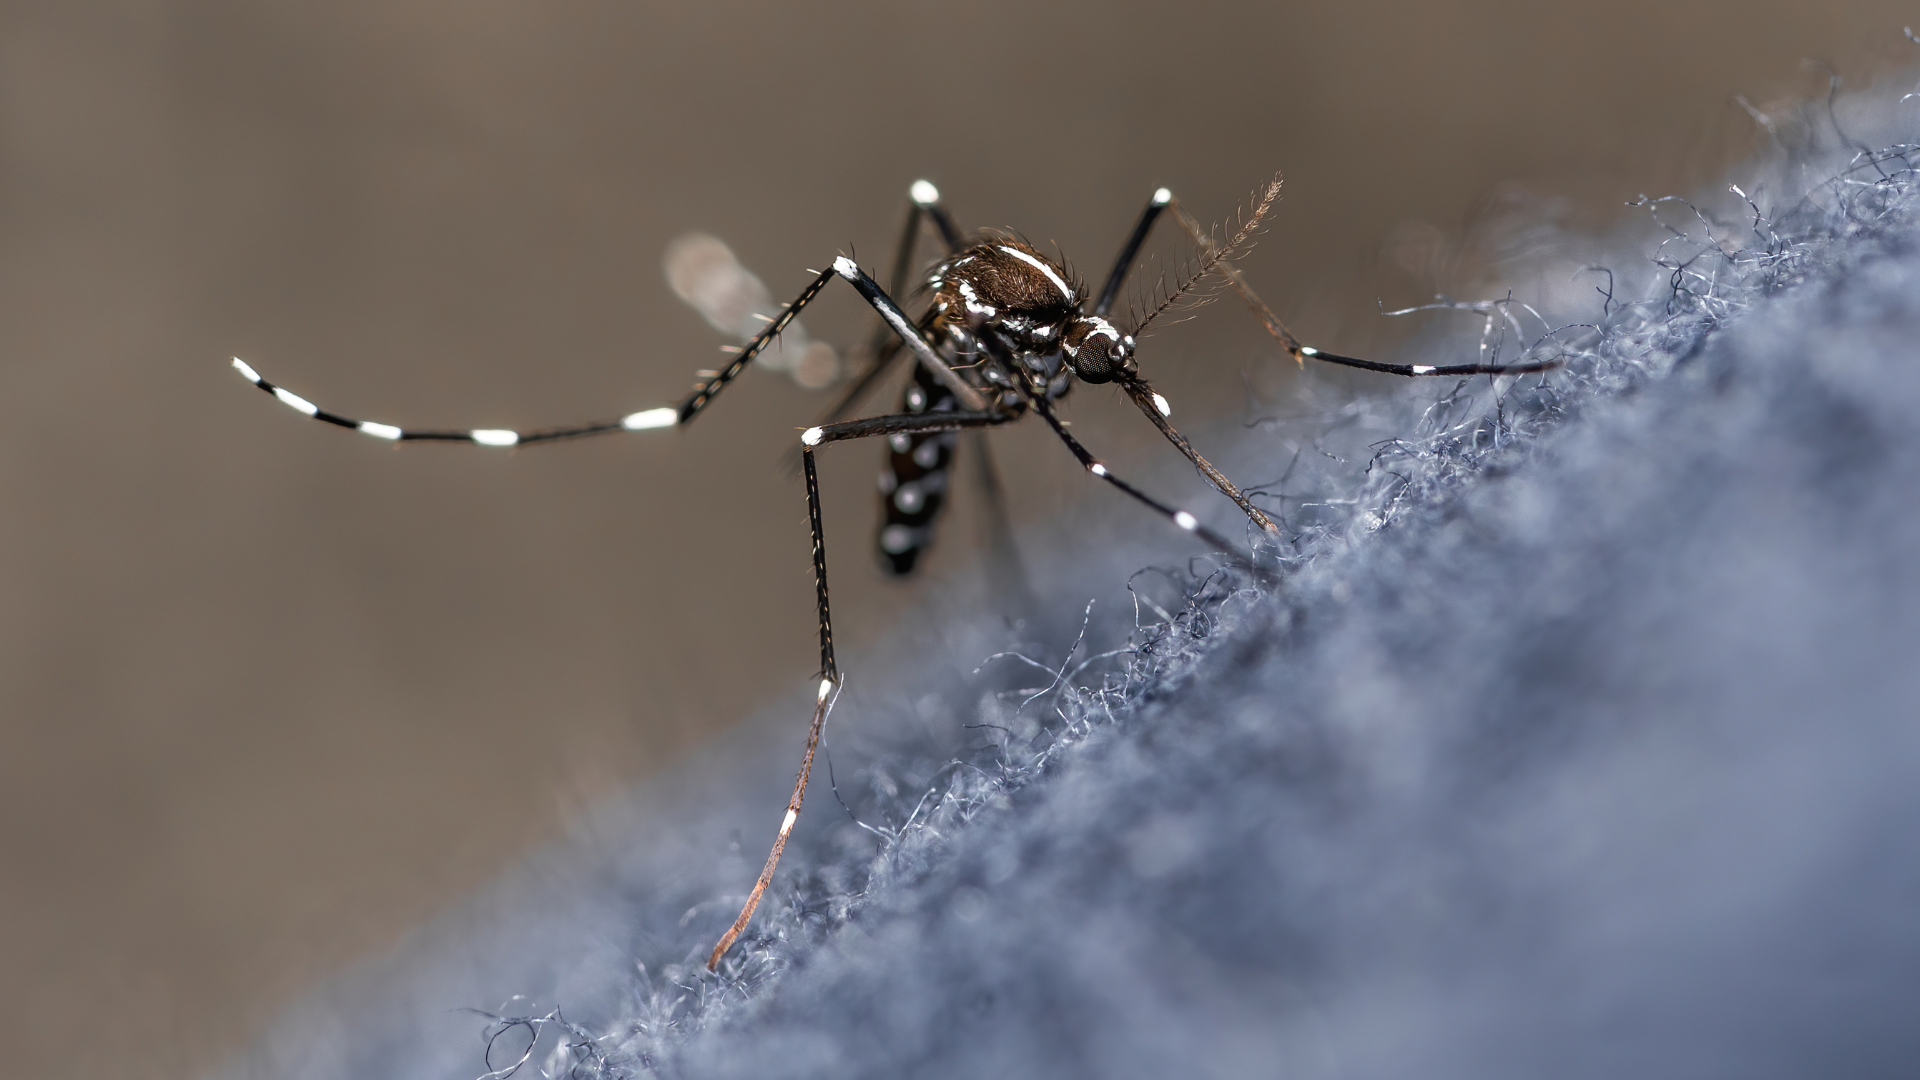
[[1581, 739]]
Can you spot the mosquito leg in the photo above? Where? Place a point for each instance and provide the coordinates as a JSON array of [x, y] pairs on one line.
[[1302, 353], [1311, 353], [883, 358], [649, 418], [925, 202], [915, 339], [822, 704], [1157, 410], [829, 671], [666, 416], [920, 196], [926, 199], [1093, 465], [1205, 242], [1124, 264], [706, 391], [884, 348], [901, 424], [646, 419]]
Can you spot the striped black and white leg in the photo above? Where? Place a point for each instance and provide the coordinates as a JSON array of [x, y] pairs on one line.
[[1158, 410], [822, 704], [1123, 265], [644, 420], [1154, 404], [926, 200], [923, 204], [910, 333], [664, 416], [1308, 352], [704, 393], [1301, 353], [1100, 471], [829, 670]]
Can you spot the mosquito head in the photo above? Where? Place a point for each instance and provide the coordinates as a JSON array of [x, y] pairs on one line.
[[1097, 350]]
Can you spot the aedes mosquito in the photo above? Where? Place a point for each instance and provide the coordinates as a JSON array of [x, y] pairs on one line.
[[1007, 331]]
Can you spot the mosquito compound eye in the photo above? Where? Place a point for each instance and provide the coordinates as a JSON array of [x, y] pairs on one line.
[[1102, 351], [1091, 362]]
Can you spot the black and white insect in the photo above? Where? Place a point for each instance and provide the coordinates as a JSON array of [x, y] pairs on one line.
[[1006, 331]]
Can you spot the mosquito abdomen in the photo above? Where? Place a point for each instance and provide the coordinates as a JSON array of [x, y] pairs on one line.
[[913, 483]]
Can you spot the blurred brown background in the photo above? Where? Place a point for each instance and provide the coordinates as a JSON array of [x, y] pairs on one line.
[[272, 693]]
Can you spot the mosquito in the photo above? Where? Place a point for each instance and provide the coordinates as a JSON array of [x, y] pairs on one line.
[[1006, 331]]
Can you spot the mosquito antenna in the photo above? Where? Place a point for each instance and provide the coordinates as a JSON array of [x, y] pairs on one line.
[[1212, 259]]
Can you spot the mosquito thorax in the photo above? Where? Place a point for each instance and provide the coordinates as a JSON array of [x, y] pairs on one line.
[[1004, 285]]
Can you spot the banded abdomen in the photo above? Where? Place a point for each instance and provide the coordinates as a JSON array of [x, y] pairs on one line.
[[913, 483]]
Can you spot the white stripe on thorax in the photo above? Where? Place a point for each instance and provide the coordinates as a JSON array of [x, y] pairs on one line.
[[1040, 265]]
